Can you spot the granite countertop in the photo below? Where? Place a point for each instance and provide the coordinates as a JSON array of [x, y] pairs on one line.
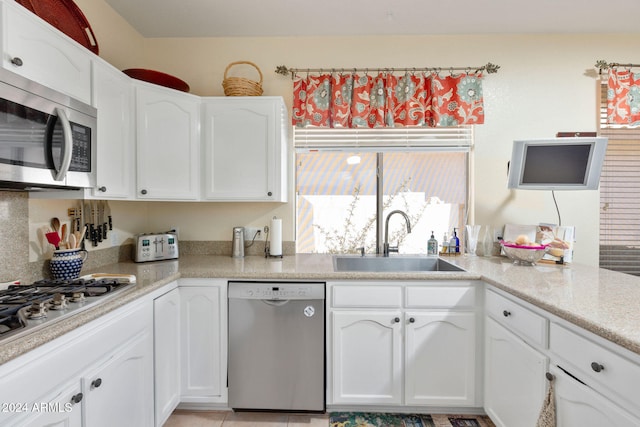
[[601, 301]]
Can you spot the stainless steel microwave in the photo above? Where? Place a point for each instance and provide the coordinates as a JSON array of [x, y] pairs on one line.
[[47, 139]]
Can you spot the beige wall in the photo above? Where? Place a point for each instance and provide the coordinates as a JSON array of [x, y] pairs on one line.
[[546, 84]]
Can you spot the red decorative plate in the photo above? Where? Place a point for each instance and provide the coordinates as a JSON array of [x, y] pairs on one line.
[[158, 78], [67, 17]]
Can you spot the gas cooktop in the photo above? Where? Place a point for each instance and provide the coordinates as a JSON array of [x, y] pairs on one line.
[[24, 308]]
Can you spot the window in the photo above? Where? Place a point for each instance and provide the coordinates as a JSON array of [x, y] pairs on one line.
[[619, 191], [424, 174]]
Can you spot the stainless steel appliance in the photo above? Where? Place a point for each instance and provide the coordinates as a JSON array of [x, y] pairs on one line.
[[237, 245], [276, 346], [26, 308], [156, 247], [47, 139]]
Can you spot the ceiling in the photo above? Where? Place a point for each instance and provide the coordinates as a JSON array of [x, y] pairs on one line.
[[250, 18]]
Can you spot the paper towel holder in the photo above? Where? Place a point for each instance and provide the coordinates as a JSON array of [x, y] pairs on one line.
[[267, 244]]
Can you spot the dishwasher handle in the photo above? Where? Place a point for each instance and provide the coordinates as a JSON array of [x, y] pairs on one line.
[[276, 302]]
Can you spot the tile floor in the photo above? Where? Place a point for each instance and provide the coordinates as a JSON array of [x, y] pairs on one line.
[[181, 418]]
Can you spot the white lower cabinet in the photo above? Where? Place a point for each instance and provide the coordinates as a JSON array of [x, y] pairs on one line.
[[203, 340], [403, 344], [166, 331], [63, 409], [119, 391], [440, 366], [100, 374], [514, 381], [596, 381], [579, 405], [367, 357]]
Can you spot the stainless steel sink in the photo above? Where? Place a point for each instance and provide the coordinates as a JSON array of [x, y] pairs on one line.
[[391, 264]]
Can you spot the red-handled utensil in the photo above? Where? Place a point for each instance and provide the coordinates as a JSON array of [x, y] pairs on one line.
[[53, 238]]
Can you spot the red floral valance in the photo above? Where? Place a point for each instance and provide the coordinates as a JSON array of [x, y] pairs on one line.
[[342, 100], [623, 97]]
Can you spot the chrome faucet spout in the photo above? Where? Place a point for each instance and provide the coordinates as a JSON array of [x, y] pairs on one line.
[[386, 247]]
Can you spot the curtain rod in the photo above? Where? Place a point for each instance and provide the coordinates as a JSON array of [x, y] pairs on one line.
[[604, 65], [284, 70]]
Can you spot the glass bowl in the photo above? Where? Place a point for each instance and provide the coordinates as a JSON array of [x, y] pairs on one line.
[[524, 254]]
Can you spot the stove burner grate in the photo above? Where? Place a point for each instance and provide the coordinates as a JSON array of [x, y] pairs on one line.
[[19, 303]]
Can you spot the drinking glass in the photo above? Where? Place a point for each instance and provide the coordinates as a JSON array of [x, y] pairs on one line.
[[473, 231]]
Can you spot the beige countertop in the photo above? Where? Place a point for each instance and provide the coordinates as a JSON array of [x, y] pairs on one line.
[[601, 301]]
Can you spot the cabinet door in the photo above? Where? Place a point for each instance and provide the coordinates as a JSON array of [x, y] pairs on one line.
[[168, 144], [38, 51], [515, 383], [166, 332], [203, 314], [579, 405], [119, 392], [113, 97], [367, 357], [64, 409], [245, 149], [440, 365]]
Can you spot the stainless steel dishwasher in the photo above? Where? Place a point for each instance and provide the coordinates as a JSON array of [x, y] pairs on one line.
[[276, 346]]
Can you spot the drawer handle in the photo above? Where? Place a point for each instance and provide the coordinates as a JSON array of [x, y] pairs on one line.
[[506, 313], [76, 398], [96, 383], [412, 320], [396, 320], [597, 367], [17, 61]]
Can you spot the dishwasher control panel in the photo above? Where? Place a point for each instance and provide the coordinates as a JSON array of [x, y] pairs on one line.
[[276, 291]]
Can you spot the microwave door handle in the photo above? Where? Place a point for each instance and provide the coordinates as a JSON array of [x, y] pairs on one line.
[[68, 145]]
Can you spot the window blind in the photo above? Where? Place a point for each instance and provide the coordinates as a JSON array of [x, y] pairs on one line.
[[386, 139], [619, 196]]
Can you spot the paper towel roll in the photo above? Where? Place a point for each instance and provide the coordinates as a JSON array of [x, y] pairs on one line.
[[275, 248]]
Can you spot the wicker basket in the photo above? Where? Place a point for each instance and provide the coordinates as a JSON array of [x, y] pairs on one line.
[[240, 86]]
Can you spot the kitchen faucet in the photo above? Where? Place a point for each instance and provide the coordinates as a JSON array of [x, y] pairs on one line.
[[386, 248]]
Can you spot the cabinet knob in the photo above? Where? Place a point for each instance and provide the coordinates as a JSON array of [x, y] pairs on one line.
[[412, 320], [77, 398], [396, 320], [17, 61], [269, 194], [506, 313], [96, 383], [102, 189], [143, 191], [596, 366]]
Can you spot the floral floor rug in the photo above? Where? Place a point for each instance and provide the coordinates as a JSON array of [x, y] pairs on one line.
[[372, 419]]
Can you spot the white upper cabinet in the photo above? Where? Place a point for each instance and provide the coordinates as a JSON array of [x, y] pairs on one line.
[[245, 149], [113, 97], [38, 51], [168, 143]]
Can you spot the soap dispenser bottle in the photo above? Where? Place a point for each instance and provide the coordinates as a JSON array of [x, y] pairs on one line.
[[445, 243], [432, 245], [454, 243]]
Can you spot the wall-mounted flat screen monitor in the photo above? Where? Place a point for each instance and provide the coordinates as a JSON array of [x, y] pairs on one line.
[[557, 163]]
